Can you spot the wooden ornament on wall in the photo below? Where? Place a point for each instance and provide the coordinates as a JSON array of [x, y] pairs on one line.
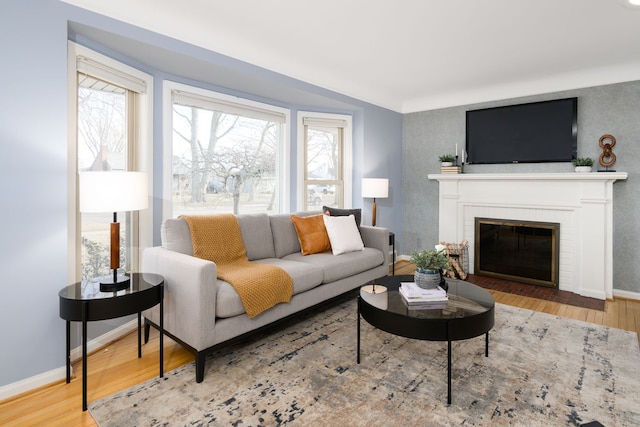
[[607, 158]]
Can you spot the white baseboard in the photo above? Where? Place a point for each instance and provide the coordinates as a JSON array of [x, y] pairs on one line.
[[626, 294], [60, 373]]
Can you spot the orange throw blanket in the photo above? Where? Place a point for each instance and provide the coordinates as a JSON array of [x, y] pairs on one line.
[[218, 238]]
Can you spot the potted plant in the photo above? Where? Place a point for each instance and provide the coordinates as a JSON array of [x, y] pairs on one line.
[[447, 160], [429, 265], [582, 164]]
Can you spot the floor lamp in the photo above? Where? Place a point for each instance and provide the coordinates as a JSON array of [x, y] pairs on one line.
[[113, 191], [376, 188]]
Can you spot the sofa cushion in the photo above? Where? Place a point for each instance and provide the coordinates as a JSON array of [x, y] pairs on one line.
[[285, 238], [345, 265], [304, 277], [256, 235], [343, 234], [312, 234], [176, 236]]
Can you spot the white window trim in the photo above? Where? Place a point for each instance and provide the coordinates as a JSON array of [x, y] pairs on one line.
[[283, 164], [143, 158], [328, 118]]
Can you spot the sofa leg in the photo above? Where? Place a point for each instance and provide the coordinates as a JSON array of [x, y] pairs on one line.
[[200, 361], [147, 328]]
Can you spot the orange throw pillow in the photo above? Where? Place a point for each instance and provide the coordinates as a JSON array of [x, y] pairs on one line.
[[312, 234]]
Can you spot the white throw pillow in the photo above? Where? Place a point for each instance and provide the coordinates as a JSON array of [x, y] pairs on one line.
[[343, 234]]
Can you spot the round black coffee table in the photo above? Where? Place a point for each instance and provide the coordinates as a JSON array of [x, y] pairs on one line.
[[468, 313]]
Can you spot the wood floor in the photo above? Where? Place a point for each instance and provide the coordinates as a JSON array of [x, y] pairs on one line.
[[117, 367]]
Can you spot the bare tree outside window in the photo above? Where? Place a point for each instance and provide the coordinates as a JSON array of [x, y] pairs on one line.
[[223, 162]]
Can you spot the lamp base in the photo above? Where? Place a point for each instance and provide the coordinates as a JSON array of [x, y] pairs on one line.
[[114, 284]]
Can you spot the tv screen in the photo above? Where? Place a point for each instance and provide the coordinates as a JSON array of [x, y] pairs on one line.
[[544, 131]]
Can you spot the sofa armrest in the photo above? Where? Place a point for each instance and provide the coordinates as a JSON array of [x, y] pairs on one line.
[[190, 288], [376, 237]]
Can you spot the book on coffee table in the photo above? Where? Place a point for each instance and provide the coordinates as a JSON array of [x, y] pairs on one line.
[[412, 294]]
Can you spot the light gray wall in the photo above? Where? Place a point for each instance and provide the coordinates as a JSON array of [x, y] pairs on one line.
[[33, 165], [611, 109]]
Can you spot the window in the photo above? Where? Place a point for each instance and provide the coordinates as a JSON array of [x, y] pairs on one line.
[[108, 106], [227, 154], [325, 161]]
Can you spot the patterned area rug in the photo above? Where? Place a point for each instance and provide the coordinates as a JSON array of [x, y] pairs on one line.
[[542, 370]]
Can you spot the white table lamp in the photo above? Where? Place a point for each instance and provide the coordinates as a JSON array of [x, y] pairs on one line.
[[113, 191]]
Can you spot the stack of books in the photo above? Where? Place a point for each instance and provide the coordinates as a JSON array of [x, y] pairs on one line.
[[417, 298], [450, 169]]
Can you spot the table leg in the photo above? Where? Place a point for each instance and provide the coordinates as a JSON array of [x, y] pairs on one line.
[[358, 334], [393, 248], [68, 351], [486, 345], [162, 331], [449, 372], [139, 335], [448, 363], [85, 316]]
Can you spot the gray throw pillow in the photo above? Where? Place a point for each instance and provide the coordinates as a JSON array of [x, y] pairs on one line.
[[344, 212]]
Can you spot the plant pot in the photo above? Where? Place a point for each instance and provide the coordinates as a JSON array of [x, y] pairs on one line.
[[427, 279], [445, 164], [583, 169]]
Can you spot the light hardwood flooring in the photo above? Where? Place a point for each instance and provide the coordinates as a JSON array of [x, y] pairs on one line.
[[117, 367]]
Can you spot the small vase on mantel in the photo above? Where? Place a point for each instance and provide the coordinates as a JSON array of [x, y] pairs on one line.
[[583, 169], [582, 164]]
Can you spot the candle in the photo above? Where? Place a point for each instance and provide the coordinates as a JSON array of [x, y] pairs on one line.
[[464, 156], [456, 150]]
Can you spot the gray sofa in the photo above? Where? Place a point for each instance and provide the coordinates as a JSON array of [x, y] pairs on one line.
[[202, 312]]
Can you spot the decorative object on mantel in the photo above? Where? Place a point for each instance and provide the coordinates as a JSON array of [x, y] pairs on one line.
[[449, 164], [451, 169], [607, 158], [446, 160], [582, 164], [429, 265]]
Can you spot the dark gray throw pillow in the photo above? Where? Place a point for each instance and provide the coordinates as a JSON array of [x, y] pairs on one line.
[[344, 212]]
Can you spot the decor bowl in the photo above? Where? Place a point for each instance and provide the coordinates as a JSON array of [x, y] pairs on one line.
[[583, 169]]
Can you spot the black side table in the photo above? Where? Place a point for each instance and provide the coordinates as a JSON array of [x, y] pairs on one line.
[[84, 302]]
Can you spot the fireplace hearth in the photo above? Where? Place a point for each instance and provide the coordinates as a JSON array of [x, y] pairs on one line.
[[525, 251]]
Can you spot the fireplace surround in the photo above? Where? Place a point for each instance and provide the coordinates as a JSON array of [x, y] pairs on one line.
[[582, 203]]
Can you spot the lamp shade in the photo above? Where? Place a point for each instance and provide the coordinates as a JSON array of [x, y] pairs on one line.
[[378, 188], [113, 191]]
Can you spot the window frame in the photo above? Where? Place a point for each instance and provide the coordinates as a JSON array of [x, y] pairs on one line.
[[283, 158], [140, 133], [328, 120]]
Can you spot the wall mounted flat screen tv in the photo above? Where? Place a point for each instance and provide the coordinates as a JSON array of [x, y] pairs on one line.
[[536, 132]]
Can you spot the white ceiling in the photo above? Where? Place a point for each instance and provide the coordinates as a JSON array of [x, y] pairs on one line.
[[409, 55]]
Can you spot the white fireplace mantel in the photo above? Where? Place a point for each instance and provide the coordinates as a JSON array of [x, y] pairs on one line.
[[582, 203]]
